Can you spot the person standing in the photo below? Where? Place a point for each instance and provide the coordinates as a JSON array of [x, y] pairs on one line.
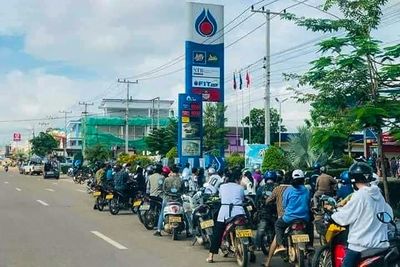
[[156, 181], [232, 195]]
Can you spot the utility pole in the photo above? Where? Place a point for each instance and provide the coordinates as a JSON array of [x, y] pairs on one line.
[[65, 130], [86, 104], [267, 97], [158, 112], [280, 117], [127, 82]]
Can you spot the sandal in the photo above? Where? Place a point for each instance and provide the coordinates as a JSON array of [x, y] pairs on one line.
[[209, 260]]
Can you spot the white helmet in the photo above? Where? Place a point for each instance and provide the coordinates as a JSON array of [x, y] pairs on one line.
[[211, 170], [298, 174]]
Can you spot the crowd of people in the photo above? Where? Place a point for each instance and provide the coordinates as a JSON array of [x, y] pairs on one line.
[[295, 195]]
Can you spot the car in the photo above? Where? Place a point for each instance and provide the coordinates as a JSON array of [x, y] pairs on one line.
[[33, 167], [21, 167], [51, 169]]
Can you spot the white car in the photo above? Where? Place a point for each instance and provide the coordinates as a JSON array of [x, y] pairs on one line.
[[33, 168]]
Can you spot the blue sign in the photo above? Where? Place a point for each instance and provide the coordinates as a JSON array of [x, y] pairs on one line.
[[254, 154], [190, 128], [217, 163]]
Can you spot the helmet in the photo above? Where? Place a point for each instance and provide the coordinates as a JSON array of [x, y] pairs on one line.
[[344, 177], [298, 174], [211, 170], [360, 172], [375, 179], [270, 175], [166, 170], [317, 166], [256, 166]]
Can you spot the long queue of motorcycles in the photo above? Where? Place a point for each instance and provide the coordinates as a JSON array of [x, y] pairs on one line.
[[243, 235]]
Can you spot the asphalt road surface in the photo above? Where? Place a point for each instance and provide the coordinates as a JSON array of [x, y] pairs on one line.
[[51, 223]]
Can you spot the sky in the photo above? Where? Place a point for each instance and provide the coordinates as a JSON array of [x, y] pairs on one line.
[[54, 54]]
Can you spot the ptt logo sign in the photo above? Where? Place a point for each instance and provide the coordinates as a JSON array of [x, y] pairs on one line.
[[199, 57], [191, 99], [201, 82]]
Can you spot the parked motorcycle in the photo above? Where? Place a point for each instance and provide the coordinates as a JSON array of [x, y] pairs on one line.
[[124, 200], [237, 240], [174, 218], [100, 192], [149, 211]]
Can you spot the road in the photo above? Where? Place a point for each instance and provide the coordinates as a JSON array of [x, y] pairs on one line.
[[51, 223]]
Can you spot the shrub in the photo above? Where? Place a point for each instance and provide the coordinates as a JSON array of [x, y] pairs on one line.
[[234, 160], [275, 159]]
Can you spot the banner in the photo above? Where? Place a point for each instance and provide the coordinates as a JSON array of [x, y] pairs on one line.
[[254, 154], [205, 52], [190, 128]]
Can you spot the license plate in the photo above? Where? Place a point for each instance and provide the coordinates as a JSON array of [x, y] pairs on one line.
[[249, 208], [108, 197], [96, 194], [137, 203], [207, 224], [300, 238], [144, 207], [244, 233], [50, 172], [174, 219]]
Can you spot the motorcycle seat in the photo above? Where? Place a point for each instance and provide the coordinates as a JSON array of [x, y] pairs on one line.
[[234, 218], [373, 252]]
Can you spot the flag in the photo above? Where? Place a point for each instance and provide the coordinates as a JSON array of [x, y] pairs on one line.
[[234, 81], [240, 81], [247, 79]]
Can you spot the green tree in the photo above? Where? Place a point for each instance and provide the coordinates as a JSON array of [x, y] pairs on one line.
[[43, 144], [302, 153], [97, 153], [257, 119], [235, 160], [354, 77], [275, 159], [214, 131], [161, 140]]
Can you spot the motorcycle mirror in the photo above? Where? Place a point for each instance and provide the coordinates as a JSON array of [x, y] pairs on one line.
[[384, 217]]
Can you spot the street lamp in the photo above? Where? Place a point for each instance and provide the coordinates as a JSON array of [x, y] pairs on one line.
[[280, 117]]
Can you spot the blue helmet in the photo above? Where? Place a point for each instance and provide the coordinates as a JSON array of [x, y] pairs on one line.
[[317, 166], [270, 175], [344, 177]]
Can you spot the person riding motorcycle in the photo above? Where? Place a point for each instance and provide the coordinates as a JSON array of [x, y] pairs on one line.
[[267, 184], [248, 183], [314, 176], [156, 181], [346, 187], [232, 197], [365, 230], [101, 175], [212, 185], [296, 205], [325, 186], [121, 178], [172, 184], [166, 171]]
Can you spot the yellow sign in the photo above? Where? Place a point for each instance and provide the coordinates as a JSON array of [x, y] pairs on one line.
[[185, 119], [108, 197]]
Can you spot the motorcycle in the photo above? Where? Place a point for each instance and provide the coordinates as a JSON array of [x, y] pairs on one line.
[[237, 240], [266, 216], [174, 216], [124, 200], [149, 211], [333, 253], [203, 221], [100, 193]]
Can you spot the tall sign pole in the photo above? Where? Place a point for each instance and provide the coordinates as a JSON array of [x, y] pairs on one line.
[[65, 129], [127, 82], [267, 96]]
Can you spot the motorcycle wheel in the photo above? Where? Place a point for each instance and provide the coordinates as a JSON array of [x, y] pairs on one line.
[[135, 210], [150, 219], [114, 206], [100, 203], [322, 257], [300, 259], [265, 242], [241, 252], [174, 233]]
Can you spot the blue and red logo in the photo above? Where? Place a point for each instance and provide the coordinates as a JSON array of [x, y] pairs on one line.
[[205, 24]]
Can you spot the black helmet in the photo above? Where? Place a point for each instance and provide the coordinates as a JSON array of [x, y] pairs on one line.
[[360, 172]]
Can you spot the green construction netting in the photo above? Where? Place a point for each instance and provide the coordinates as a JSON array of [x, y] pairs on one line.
[[93, 135]]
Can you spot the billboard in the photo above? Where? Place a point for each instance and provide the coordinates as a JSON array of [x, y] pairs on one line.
[[254, 154], [17, 137], [190, 128], [205, 52]]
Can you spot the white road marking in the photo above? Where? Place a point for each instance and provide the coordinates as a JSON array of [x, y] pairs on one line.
[[18, 189], [42, 202], [109, 240], [49, 189], [6, 182], [80, 190]]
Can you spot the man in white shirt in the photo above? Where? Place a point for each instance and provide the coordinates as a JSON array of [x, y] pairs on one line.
[[365, 230], [212, 185]]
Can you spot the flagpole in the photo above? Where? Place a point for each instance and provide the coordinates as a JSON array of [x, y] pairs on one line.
[[249, 116], [242, 116], [237, 121]]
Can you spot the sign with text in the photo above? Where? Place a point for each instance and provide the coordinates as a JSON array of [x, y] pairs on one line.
[[17, 137], [190, 128], [205, 52]]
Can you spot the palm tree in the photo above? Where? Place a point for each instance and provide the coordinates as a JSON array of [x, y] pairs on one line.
[[302, 153]]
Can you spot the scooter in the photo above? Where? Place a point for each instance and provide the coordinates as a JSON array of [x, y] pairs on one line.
[[174, 217]]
